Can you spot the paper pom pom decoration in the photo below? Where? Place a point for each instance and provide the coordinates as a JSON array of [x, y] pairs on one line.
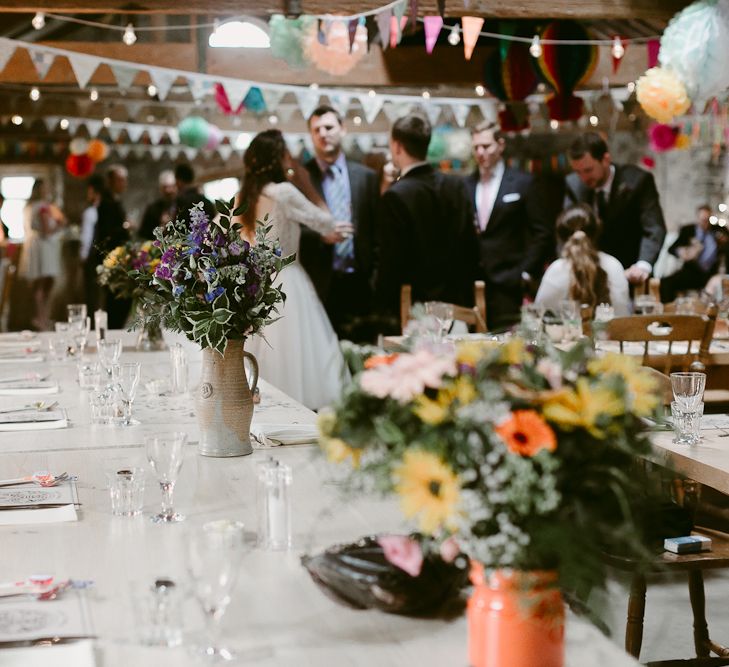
[[194, 131], [509, 75], [79, 166], [695, 46], [662, 95], [683, 142], [335, 57], [254, 101], [437, 147], [78, 146], [98, 151], [662, 137], [215, 136], [221, 99], [565, 67], [287, 38], [459, 145]]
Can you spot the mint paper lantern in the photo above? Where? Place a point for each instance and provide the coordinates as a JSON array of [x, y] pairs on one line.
[[194, 131]]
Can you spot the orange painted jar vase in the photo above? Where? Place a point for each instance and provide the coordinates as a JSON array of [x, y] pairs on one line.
[[515, 619]]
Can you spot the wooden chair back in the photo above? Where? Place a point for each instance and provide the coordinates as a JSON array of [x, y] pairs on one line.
[[651, 286], [688, 338], [474, 317]]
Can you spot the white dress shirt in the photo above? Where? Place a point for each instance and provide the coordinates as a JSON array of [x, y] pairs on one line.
[[486, 193], [89, 218]]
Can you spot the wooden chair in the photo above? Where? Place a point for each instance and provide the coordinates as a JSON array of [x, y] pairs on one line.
[[650, 286], [692, 333], [474, 317]]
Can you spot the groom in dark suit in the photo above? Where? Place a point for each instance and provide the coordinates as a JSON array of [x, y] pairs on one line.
[[341, 273], [514, 228], [426, 234], [625, 198]]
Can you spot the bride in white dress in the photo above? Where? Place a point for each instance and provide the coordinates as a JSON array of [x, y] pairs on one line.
[[298, 353]]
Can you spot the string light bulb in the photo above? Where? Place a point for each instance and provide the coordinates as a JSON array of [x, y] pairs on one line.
[[535, 48], [618, 49], [631, 86], [39, 20], [371, 93], [480, 90], [313, 86], [106, 122], [64, 123], [357, 120], [454, 38], [594, 120], [273, 119], [554, 124], [16, 120], [93, 94], [129, 37], [34, 94], [151, 90], [426, 95]]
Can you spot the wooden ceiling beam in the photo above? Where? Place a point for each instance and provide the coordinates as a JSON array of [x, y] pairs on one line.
[[661, 10]]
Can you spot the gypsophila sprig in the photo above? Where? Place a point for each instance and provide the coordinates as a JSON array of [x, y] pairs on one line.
[[210, 283], [523, 454]]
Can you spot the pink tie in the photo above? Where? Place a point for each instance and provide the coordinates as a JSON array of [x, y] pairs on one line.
[[484, 205]]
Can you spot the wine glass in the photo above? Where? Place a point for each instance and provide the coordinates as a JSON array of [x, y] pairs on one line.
[[76, 311], [688, 389], [165, 453], [443, 314], [126, 378], [79, 330], [569, 310], [214, 553], [109, 352]]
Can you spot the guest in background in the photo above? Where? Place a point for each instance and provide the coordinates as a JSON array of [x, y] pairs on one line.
[[4, 230], [342, 273], [111, 231], [426, 233], [95, 188], [696, 245], [162, 210], [515, 234], [582, 273], [188, 194], [41, 258], [625, 199]]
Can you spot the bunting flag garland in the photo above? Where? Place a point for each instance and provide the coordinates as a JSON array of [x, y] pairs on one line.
[[124, 76], [163, 80], [308, 101], [83, 68], [461, 113], [371, 106], [433, 24], [236, 92], [7, 50], [383, 25], [471, 31], [42, 60], [433, 113]]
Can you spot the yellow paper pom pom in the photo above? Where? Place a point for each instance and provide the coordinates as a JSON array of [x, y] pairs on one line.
[[683, 141], [662, 94]]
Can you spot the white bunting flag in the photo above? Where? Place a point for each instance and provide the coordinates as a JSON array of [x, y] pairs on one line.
[[122, 150], [225, 151], [94, 127], [308, 101], [383, 25], [114, 132], [432, 111], [83, 67], [236, 92], [7, 49], [190, 153], [42, 61], [139, 151], [198, 87], [285, 112], [340, 102], [155, 133], [124, 76], [173, 134], [371, 106], [460, 113], [156, 152], [272, 97], [488, 111], [134, 132], [133, 109], [395, 110], [50, 122], [163, 80]]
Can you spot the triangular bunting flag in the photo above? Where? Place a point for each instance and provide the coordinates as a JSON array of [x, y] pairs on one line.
[[94, 127], [432, 111], [433, 24], [122, 150], [308, 100], [139, 151], [124, 76], [383, 25], [174, 151], [156, 152], [352, 30], [652, 48], [134, 132], [460, 113], [114, 132], [198, 88], [272, 97], [173, 134], [50, 122], [83, 67], [225, 151], [285, 112], [322, 29], [163, 80], [236, 92], [471, 31], [190, 153], [7, 49], [395, 110], [372, 33], [488, 111], [340, 102], [396, 28], [371, 106], [155, 133], [401, 20], [73, 126], [42, 62], [133, 109]]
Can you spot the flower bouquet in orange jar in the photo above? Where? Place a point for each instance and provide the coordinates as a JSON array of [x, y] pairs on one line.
[[522, 456]]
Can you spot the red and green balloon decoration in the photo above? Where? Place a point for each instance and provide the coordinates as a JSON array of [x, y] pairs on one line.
[[565, 67], [509, 75]]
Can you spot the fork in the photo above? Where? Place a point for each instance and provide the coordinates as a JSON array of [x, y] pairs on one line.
[[37, 478]]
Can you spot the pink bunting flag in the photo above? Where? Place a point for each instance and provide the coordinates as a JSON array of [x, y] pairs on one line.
[[433, 24], [654, 46], [395, 31], [471, 26]]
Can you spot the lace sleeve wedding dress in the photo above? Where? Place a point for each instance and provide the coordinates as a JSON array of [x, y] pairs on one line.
[[299, 353]]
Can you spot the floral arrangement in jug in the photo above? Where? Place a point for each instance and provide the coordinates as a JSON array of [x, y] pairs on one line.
[[523, 456], [210, 284], [120, 267]]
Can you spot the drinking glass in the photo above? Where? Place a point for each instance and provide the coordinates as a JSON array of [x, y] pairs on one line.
[[164, 453], [76, 311], [178, 363], [532, 315], [158, 612], [443, 314], [109, 352], [58, 346], [125, 378], [569, 310], [687, 423], [646, 304], [101, 319], [126, 490], [89, 374], [604, 312], [79, 332], [214, 554], [688, 389]]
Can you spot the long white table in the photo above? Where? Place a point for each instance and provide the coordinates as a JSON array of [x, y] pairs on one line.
[[278, 617]]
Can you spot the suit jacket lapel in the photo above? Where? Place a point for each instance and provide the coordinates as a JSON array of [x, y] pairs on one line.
[[505, 187]]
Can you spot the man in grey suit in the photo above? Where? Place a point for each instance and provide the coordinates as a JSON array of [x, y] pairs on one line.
[[625, 198], [341, 273]]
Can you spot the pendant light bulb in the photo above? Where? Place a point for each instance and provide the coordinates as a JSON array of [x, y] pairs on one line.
[[535, 47], [454, 38], [129, 36], [618, 49], [39, 20]]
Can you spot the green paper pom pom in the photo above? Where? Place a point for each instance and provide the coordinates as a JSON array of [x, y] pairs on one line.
[[287, 39], [194, 131]]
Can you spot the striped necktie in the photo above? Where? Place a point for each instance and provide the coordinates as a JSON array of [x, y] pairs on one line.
[[340, 205]]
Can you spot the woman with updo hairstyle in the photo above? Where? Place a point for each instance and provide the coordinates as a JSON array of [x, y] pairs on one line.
[[298, 353], [583, 273]]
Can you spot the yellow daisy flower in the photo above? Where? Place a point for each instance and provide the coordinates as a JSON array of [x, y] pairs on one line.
[[325, 421], [469, 354], [641, 386], [581, 407], [430, 411], [338, 451], [428, 489], [514, 352]]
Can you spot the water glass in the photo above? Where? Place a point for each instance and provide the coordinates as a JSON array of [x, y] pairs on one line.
[[604, 312], [165, 454], [76, 311], [79, 332], [89, 374], [158, 612], [59, 345], [532, 315], [443, 314], [125, 379], [569, 310], [684, 305], [647, 304], [214, 554], [101, 324], [274, 505], [688, 389], [687, 423], [126, 488], [178, 363], [109, 350], [100, 403]]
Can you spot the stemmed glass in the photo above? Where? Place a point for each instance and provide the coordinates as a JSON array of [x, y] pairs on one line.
[[79, 330], [214, 553], [76, 311], [443, 314], [165, 453], [126, 378], [569, 310], [109, 352]]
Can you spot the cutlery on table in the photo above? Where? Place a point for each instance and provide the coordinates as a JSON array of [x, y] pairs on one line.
[[41, 478], [48, 506], [30, 377], [39, 406]]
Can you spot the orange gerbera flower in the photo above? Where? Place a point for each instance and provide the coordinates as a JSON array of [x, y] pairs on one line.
[[525, 433], [380, 360]]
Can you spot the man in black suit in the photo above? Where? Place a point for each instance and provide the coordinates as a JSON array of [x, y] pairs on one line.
[[514, 229], [110, 231], [188, 194], [625, 198], [697, 246], [342, 272], [426, 233]]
